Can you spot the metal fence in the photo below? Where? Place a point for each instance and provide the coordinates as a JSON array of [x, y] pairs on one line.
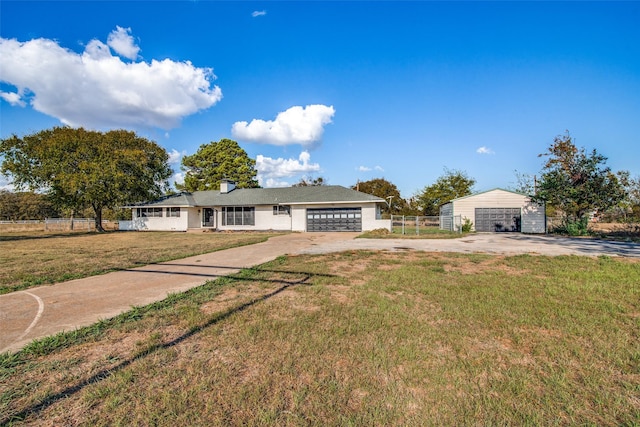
[[406, 224], [69, 224]]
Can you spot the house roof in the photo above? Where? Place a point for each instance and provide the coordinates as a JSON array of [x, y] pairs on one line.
[[266, 196], [488, 191]]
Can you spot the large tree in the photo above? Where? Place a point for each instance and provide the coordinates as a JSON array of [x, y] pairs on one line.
[[80, 168], [216, 161], [578, 184], [451, 185], [384, 189]]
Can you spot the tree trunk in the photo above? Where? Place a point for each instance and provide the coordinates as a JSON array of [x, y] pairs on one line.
[[98, 211]]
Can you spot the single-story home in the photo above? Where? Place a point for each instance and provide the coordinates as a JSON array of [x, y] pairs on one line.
[[313, 208], [495, 210]]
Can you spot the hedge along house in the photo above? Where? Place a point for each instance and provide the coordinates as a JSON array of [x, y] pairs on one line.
[[495, 210], [319, 208]]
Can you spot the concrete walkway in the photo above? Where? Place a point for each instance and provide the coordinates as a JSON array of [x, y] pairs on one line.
[[47, 310]]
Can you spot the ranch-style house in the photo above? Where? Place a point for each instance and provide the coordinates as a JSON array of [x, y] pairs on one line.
[[313, 208]]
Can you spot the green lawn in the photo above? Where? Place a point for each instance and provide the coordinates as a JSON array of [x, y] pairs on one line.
[[357, 338], [35, 258]]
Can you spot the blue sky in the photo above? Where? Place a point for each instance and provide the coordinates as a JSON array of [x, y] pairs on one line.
[[344, 90]]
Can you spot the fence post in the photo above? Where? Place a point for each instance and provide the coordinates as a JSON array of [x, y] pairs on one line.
[[417, 224], [403, 224]]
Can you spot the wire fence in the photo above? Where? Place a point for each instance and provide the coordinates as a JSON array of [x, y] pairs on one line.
[[69, 224], [410, 224]]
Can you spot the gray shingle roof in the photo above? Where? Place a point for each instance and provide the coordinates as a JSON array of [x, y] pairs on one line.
[[267, 196]]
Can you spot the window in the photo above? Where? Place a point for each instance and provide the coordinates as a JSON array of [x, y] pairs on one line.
[[149, 212], [282, 210], [238, 215], [173, 212]]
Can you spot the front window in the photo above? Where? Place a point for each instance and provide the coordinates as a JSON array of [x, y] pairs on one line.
[[282, 210], [238, 215], [173, 212], [149, 212]]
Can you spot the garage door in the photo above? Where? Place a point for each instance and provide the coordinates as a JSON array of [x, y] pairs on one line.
[[498, 219], [338, 219]]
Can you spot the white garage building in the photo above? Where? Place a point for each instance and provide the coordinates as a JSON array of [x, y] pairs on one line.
[[495, 210]]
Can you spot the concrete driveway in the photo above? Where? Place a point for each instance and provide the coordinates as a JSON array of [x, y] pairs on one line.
[[491, 243], [47, 310]]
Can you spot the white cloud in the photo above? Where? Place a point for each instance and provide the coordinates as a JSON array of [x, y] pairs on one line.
[[257, 13], [12, 98], [368, 169], [121, 41], [177, 178], [96, 89], [271, 171], [297, 125], [484, 150], [175, 156]]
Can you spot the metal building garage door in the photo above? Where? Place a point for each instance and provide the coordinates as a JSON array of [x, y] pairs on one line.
[[337, 219], [498, 219]]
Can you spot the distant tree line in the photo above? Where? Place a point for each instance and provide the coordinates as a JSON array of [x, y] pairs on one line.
[[25, 205], [71, 172]]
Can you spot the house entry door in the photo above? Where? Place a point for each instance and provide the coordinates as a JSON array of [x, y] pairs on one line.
[[208, 217]]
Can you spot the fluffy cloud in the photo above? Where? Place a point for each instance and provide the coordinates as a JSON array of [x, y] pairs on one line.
[[122, 43], [271, 171], [297, 125], [257, 13], [176, 178], [175, 156], [484, 150], [97, 89]]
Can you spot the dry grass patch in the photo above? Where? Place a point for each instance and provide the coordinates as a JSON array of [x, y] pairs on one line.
[[403, 339], [31, 259]]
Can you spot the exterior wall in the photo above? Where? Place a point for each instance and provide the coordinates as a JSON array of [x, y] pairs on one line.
[[264, 220], [195, 218], [370, 221], [298, 218], [532, 215], [162, 223]]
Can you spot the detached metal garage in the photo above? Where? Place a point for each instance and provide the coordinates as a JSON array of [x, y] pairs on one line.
[[496, 210]]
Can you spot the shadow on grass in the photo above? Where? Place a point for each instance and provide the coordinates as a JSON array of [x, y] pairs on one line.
[[40, 235], [96, 378]]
